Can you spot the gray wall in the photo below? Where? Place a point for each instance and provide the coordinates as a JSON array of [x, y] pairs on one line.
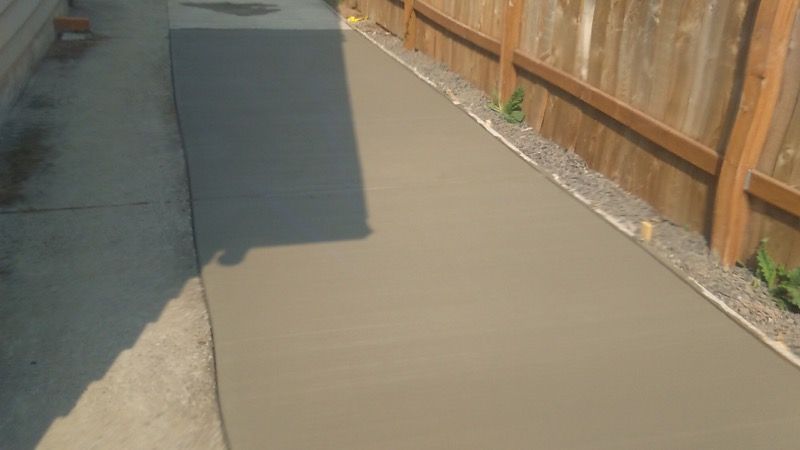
[[26, 32]]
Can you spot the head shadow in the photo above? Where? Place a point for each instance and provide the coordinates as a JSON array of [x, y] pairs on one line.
[[236, 9], [269, 137]]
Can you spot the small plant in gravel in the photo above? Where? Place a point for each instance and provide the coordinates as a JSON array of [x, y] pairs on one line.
[[782, 283], [512, 109]]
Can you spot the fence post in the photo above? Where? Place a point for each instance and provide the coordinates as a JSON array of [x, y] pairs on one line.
[[512, 24], [410, 20], [760, 90]]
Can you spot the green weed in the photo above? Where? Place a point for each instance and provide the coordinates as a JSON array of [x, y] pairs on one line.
[[512, 109], [782, 283]]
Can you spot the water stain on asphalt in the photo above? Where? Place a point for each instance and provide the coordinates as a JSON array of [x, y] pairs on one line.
[[236, 9], [21, 155]]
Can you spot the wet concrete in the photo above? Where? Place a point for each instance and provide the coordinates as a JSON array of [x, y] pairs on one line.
[[382, 273]]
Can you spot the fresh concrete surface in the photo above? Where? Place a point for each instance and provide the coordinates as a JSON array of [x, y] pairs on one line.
[[104, 335], [383, 274]]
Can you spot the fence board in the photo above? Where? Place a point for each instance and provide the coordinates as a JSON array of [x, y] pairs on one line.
[[536, 36], [631, 81], [760, 92], [562, 56], [386, 13], [466, 50], [594, 52], [780, 160], [663, 23], [728, 63], [512, 21]]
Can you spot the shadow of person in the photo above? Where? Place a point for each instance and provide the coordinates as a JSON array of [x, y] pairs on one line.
[[269, 138], [236, 9]]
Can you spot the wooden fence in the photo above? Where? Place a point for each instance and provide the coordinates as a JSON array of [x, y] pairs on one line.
[[693, 105]]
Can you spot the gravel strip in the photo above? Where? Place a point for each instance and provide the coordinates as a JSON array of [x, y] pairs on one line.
[[685, 251]]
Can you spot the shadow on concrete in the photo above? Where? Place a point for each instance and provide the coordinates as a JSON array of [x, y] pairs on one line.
[[268, 133], [236, 9], [98, 242]]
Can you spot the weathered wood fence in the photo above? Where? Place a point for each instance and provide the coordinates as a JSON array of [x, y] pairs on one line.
[[693, 105]]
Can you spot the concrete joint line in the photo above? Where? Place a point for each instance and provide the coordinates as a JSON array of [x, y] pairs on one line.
[[81, 207]]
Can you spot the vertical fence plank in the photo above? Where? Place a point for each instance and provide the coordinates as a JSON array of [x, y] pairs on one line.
[[512, 25], [541, 48], [564, 117], [606, 137], [779, 152], [591, 127], [760, 90], [665, 15], [561, 56], [787, 110], [736, 19], [410, 21], [676, 197], [615, 145]]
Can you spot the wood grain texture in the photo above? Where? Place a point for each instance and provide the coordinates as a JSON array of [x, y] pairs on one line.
[[780, 228], [536, 37], [512, 25], [681, 197], [591, 126], [726, 65], [676, 142], [780, 160], [763, 80], [446, 39], [562, 114], [386, 13], [774, 192], [484, 41], [631, 77], [410, 25]]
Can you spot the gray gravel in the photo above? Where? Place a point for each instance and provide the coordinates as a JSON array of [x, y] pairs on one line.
[[685, 251]]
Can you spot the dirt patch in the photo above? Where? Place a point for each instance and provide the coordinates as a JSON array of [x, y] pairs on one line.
[[22, 154], [236, 9], [685, 251]]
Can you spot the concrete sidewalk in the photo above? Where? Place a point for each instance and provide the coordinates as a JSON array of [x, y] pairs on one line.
[[104, 333], [383, 274]]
